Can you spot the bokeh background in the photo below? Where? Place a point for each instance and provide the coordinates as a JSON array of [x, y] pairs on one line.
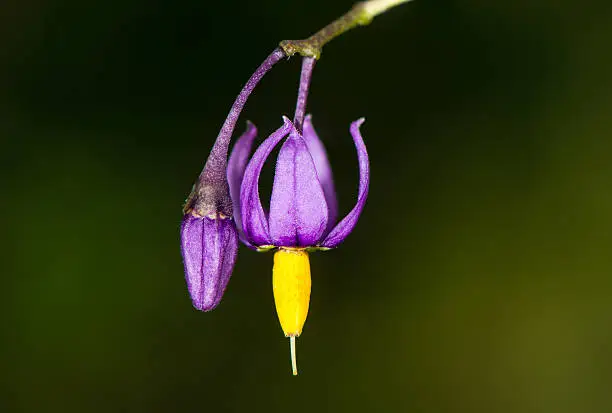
[[479, 278]]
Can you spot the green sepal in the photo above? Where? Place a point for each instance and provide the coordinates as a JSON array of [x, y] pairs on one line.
[[315, 249], [265, 248]]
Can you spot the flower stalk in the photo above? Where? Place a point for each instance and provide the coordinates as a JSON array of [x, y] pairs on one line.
[[360, 14], [216, 163], [300, 107]]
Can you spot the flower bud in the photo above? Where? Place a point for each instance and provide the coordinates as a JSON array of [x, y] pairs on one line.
[[209, 245]]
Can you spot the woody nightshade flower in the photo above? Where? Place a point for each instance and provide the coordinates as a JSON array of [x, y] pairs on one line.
[[225, 205], [300, 214], [303, 206]]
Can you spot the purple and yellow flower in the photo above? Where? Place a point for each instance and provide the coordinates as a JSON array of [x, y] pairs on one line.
[[302, 216], [302, 213]]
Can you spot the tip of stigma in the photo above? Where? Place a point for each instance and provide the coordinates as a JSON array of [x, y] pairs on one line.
[[293, 358]]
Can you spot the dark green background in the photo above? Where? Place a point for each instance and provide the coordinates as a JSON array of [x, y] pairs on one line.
[[479, 278]]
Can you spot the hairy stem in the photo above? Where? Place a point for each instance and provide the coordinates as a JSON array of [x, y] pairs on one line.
[[216, 164], [300, 108]]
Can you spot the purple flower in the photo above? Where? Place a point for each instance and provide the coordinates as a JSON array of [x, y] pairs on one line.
[[303, 206]]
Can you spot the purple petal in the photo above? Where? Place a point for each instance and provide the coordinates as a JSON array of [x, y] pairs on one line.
[[345, 227], [324, 172], [254, 222], [235, 171], [209, 247], [298, 211]]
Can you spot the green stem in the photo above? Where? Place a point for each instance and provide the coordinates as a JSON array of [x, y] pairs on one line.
[[361, 14]]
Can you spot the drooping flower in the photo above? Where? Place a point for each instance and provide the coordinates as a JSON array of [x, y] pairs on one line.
[[302, 213], [209, 242]]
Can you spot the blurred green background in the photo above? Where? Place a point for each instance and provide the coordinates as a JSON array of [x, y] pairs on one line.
[[478, 279]]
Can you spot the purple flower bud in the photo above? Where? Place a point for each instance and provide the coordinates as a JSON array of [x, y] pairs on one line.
[[209, 239], [209, 245]]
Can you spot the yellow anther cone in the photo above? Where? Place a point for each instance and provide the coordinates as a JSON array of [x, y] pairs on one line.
[[291, 285]]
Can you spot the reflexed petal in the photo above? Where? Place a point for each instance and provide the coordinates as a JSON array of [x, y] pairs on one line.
[[298, 211], [254, 222], [344, 227], [235, 170], [209, 247], [324, 171]]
